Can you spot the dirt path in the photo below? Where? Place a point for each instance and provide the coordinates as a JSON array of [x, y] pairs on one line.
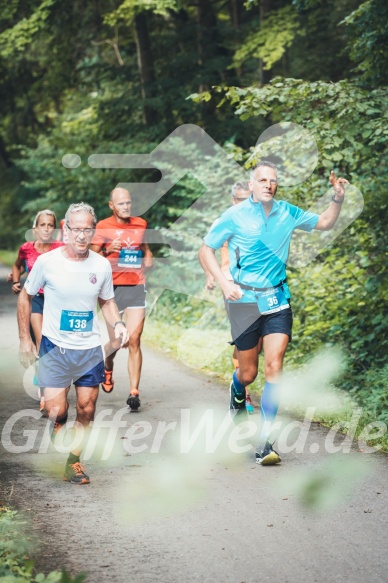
[[158, 515]]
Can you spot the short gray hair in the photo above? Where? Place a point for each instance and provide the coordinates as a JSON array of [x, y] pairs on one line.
[[240, 186], [44, 212], [263, 163], [80, 207]]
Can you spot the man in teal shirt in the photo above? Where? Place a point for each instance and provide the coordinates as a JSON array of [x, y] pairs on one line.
[[259, 232]]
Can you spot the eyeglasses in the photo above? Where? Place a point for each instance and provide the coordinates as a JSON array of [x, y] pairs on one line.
[[77, 231]]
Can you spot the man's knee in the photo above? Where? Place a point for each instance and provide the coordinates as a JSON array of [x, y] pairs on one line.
[[56, 411], [86, 409], [248, 374], [134, 342], [273, 366]]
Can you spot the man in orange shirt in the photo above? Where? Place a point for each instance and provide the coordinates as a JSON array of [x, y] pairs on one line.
[[240, 192], [121, 239]]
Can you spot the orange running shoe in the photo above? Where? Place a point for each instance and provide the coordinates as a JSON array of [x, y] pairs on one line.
[[133, 400], [108, 383], [75, 473]]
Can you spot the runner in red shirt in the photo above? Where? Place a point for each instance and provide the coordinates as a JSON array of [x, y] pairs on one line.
[[121, 238], [44, 225]]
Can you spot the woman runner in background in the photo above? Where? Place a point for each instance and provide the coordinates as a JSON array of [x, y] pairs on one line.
[[44, 226]]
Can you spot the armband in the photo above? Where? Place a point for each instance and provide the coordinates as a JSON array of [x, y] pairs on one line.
[[15, 282]]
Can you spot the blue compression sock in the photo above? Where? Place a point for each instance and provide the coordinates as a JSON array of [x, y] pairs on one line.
[[268, 409], [240, 388]]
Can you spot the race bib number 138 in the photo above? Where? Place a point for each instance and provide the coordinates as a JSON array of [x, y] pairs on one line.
[[73, 321]]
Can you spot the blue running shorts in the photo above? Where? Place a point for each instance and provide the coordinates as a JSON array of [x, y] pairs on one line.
[[59, 367], [37, 304]]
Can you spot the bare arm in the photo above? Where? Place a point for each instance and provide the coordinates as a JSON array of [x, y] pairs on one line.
[[328, 218], [27, 349], [148, 258], [210, 284], [17, 268], [111, 315], [230, 290], [113, 247]]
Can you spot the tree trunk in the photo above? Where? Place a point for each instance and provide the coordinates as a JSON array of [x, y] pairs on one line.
[[264, 76], [206, 30], [146, 66], [236, 8], [4, 154]]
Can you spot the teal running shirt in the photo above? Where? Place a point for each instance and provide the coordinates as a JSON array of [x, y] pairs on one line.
[[258, 245]]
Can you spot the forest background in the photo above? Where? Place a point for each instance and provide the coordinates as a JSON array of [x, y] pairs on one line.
[[106, 76]]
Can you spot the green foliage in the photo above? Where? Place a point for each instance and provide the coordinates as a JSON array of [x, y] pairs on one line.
[[7, 257], [17, 38], [271, 39], [15, 550], [129, 8], [368, 38]]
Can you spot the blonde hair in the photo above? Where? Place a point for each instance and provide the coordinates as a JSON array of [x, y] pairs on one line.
[[45, 212]]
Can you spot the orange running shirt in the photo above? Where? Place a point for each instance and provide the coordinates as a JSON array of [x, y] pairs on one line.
[[132, 236]]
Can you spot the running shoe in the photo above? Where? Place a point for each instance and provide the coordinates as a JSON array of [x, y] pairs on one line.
[[133, 400], [237, 400], [266, 456], [108, 383], [75, 473], [248, 404]]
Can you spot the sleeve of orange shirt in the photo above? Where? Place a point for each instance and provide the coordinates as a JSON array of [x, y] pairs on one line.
[[99, 236]]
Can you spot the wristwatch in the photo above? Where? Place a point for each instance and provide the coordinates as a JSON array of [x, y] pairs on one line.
[[337, 201], [119, 322]]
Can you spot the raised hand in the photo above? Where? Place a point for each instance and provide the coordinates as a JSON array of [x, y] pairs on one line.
[[338, 184]]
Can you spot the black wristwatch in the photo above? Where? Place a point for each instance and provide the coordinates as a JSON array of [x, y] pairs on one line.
[[119, 322], [337, 201]]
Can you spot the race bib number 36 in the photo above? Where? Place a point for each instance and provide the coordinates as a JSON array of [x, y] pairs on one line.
[[272, 300], [130, 258], [73, 321]]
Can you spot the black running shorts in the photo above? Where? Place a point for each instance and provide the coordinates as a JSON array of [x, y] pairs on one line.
[[248, 326]]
